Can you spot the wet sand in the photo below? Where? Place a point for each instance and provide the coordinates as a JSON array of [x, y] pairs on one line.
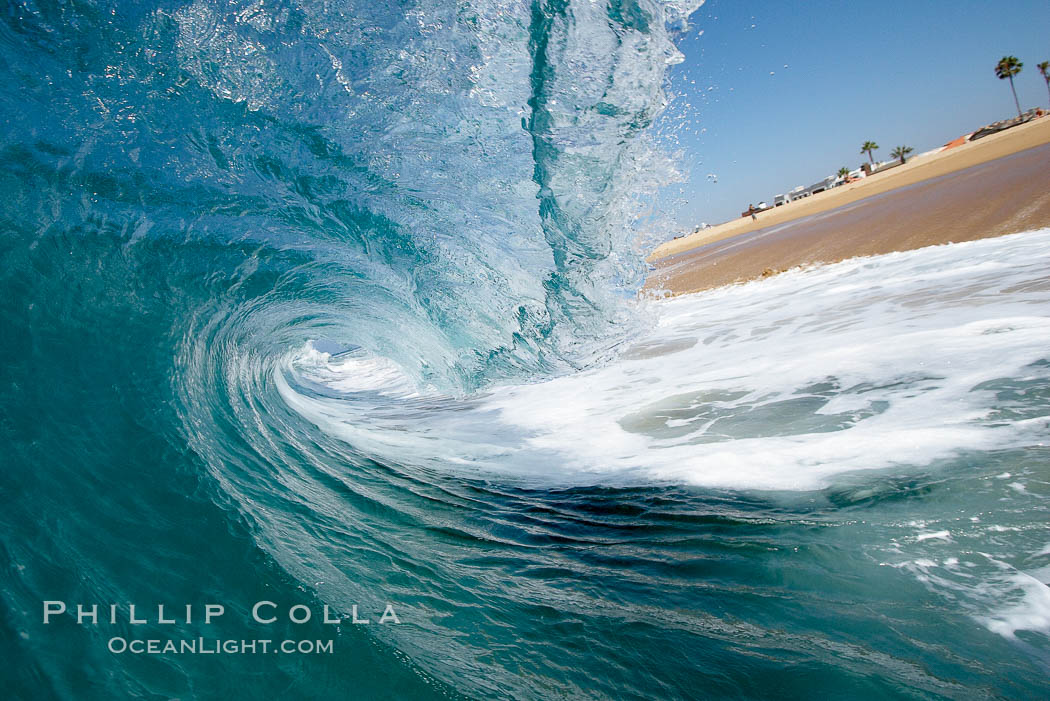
[[996, 197], [915, 170]]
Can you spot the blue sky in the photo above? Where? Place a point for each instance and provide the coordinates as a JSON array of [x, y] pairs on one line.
[[777, 94]]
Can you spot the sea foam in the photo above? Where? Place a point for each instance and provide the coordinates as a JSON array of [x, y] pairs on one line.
[[777, 384]]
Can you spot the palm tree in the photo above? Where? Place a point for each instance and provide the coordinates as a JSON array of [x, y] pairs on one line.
[[867, 148], [1044, 68], [902, 152], [1007, 68], [843, 172]]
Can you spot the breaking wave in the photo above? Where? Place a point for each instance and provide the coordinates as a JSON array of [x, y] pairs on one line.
[[337, 301]]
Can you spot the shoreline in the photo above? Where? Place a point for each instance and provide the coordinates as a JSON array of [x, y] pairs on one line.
[[916, 170], [988, 189]]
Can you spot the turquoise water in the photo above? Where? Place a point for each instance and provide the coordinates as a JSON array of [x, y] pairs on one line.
[[333, 304]]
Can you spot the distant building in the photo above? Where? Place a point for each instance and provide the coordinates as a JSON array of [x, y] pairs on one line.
[[884, 165], [800, 192], [825, 184], [1006, 124]]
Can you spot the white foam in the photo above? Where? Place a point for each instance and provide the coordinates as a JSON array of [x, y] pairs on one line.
[[1000, 597], [938, 535], [777, 384], [1029, 609], [353, 371]]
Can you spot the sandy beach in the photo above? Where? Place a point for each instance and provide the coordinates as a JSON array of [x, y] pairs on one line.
[[997, 185]]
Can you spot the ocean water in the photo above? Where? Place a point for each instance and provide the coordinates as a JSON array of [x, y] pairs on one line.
[[334, 304]]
